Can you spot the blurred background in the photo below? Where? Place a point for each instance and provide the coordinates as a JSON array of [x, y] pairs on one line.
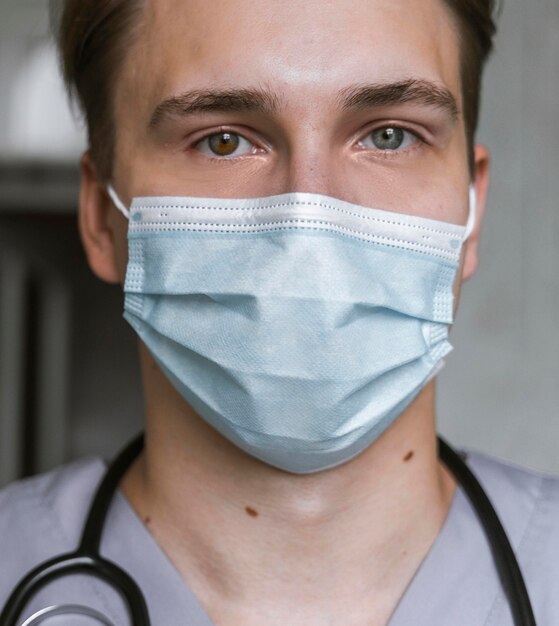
[[69, 378]]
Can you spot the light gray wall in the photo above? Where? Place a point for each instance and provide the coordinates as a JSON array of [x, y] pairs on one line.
[[35, 119], [500, 389]]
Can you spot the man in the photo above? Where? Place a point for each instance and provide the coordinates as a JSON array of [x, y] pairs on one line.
[[275, 487]]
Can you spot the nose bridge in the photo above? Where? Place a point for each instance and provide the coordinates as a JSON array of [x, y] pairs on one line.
[[309, 173], [313, 159]]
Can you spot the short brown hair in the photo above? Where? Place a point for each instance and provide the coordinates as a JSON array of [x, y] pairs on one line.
[[477, 28], [93, 36]]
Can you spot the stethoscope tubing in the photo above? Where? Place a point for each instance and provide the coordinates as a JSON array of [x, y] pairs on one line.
[[88, 560], [507, 565], [70, 564]]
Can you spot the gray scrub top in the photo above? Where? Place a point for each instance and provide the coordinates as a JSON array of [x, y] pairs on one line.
[[456, 585]]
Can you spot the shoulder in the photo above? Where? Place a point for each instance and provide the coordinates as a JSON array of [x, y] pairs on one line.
[[60, 495], [514, 489], [527, 502], [43, 516]]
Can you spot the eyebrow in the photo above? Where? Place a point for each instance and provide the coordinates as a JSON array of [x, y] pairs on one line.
[[266, 101], [408, 91], [224, 101]]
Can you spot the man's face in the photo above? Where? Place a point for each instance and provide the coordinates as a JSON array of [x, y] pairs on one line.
[[348, 98]]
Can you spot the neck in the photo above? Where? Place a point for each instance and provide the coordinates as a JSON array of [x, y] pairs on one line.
[[246, 536]]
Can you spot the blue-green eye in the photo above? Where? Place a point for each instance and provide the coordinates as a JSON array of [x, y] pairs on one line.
[[225, 145], [389, 139]]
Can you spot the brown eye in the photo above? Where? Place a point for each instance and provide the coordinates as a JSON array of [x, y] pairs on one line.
[[223, 144]]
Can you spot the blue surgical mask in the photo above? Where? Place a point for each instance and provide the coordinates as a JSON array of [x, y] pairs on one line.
[[299, 326]]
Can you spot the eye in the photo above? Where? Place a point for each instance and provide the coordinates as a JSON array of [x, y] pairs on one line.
[[389, 139], [225, 145]]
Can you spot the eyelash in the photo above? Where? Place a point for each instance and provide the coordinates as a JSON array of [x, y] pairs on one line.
[[418, 142]]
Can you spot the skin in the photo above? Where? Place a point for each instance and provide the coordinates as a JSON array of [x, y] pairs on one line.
[[255, 544]]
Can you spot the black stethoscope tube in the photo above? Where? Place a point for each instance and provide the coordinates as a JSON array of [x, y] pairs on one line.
[[510, 575], [87, 559]]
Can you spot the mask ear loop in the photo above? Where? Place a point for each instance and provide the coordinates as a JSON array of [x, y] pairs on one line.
[[470, 224], [117, 201]]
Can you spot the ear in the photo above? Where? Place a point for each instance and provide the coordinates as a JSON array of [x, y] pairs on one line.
[[481, 184], [102, 232]]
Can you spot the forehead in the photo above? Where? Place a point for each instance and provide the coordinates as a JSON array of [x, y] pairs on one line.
[[304, 50]]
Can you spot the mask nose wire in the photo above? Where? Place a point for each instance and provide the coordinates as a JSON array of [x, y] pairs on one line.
[[117, 201], [472, 214], [468, 231]]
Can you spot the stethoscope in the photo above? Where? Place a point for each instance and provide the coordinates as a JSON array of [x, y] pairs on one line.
[[87, 560]]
